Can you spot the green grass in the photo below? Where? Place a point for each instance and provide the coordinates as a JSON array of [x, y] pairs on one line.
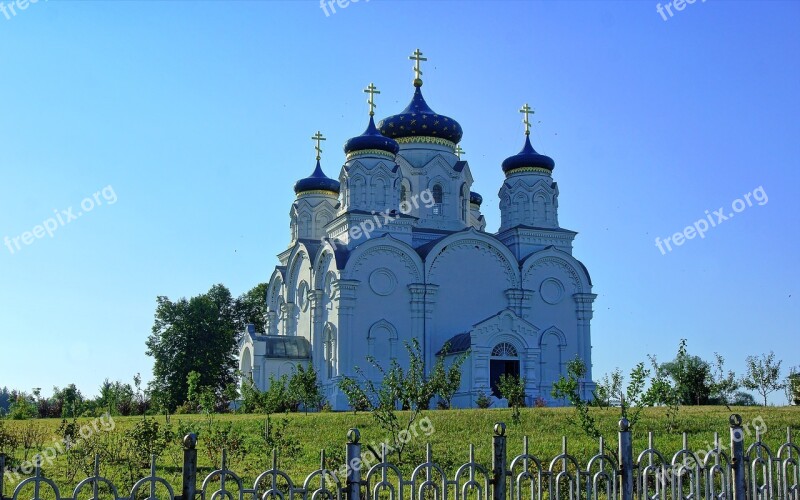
[[451, 432]]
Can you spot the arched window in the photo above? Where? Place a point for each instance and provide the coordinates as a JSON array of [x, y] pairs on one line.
[[438, 197], [305, 226], [322, 220], [379, 190], [464, 201], [504, 350], [357, 191], [437, 193], [329, 340]]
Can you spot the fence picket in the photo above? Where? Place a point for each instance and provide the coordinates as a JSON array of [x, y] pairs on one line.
[[754, 474]]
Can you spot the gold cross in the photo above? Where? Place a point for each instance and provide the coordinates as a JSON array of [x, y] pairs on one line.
[[417, 56], [318, 137], [528, 111], [371, 90], [459, 151]]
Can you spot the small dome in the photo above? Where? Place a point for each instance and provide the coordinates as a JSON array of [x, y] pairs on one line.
[[418, 119], [317, 181], [371, 139], [528, 158], [475, 198]]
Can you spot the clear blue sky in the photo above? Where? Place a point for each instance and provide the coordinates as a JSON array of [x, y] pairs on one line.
[[199, 116]]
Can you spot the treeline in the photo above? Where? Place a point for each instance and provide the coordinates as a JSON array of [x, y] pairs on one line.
[[194, 345], [690, 380], [115, 398]]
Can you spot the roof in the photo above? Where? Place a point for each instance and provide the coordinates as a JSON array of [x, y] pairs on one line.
[[458, 343], [284, 346]]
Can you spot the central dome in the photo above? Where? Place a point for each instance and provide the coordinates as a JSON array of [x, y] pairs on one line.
[[419, 120]]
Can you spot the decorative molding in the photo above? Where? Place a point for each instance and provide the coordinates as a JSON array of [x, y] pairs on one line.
[[552, 291], [410, 265], [382, 281], [427, 140], [536, 170], [323, 192], [369, 152], [557, 263], [486, 248]]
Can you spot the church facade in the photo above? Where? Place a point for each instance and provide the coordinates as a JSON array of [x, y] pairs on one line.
[[397, 249]]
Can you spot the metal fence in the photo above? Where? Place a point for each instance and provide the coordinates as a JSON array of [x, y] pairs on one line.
[[752, 473]]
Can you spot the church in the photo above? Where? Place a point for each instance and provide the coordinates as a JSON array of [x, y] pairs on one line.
[[397, 249]]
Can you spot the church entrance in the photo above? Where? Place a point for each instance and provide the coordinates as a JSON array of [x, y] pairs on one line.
[[504, 361]]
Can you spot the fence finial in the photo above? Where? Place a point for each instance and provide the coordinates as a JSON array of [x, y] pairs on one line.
[[353, 436], [499, 429], [190, 441]]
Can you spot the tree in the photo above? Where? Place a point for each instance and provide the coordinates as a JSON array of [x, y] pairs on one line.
[[609, 388], [5, 400], [569, 388], [251, 307], [22, 406], [631, 401], [512, 388], [305, 389], [277, 397], [742, 398], [691, 375], [723, 384], [662, 391], [446, 381], [763, 375], [198, 334], [792, 385], [68, 401], [408, 389], [116, 398]]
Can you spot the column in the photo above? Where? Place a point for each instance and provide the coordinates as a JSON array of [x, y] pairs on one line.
[[345, 292], [584, 312], [290, 312], [315, 300]]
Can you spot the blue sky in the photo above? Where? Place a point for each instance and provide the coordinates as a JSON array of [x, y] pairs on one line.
[[197, 116]]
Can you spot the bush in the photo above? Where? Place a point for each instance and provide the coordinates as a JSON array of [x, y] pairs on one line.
[[483, 401], [513, 389]]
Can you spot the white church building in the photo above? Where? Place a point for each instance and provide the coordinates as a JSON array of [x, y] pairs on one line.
[[397, 249]]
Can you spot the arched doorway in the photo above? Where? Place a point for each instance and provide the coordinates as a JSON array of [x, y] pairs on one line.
[[504, 360]]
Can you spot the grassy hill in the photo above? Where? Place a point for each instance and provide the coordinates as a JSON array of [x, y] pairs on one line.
[[301, 437]]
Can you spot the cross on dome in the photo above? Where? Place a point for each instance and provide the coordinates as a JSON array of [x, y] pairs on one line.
[[318, 137], [372, 90], [417, 56], [528, 111]]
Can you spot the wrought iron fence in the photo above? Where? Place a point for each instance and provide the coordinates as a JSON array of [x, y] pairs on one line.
[[754, 473]]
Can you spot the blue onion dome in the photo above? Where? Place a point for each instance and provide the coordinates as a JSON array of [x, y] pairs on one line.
[[371, 139], [419, 120], [317, 181], [475, 198], [528, 158]]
